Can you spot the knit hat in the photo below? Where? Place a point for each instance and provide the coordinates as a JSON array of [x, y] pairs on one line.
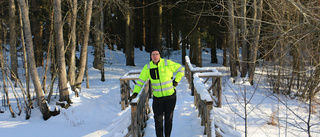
[[155, 49]]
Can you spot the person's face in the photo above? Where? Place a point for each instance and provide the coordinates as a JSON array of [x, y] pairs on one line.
[[155, 56]]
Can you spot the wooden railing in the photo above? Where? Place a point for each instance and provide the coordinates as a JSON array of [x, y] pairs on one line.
[[208, 73], [139, 106], [204, 99], [206, 95], [204, 103]]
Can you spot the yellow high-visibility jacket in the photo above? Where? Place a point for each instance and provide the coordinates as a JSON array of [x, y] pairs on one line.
[[161, 77]]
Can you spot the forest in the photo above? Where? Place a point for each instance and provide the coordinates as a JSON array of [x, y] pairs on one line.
[[281, 36]]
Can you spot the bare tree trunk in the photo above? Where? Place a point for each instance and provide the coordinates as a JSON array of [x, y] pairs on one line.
[[129, 36], [84, 47], [232, 53], [256, 33], [184, 46], [244, 63], [96, 36], [156, 30], [102, 55], [13, 45], [37, 29], [72, 66], [63, 88], [175, 39], [31, 61], [29, 104], [49, 55], [224, 45], [196, 43], [168, 28], [87, 75], [191, 53], [138, 29], [3, 69]]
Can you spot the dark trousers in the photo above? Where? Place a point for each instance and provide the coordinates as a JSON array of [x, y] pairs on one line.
[[163, 106]]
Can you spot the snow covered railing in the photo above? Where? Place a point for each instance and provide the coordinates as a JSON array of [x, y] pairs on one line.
[[204, 103], [139, 112], [139, 105], [215, 122], [125, 86], [208, 73]]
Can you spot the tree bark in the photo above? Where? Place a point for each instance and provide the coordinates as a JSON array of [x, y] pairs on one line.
[[31, 62], [26, 69], [232, 53], [224, 46], [37, 29], [129, 36], [63, 88], [196, 47], [244, 53], [72, 66], [84, 47], [3, 42], [175, 27], [13, 45], [102, 55], [184, 47], [96, 36], [138, 21], [256, 33], [156, 29], [213, 46]]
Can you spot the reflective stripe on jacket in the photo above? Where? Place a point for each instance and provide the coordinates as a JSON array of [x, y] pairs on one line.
[[161, 77]]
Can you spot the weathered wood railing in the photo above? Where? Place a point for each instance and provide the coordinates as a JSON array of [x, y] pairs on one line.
[[208, 73], [206, 95], [204, 101], [139, 106]]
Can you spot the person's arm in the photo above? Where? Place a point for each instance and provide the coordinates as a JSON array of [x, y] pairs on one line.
[[176, 67], [142, 79]]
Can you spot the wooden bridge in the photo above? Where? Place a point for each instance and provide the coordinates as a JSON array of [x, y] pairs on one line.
[[205, 100]]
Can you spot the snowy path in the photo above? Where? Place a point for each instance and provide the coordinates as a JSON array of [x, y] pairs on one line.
[[186, 122]]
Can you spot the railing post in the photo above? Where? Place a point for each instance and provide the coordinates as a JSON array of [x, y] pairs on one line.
[[134, 126], [192, 84], [214, 93], [219, 92], [208, 120], [123, 94], [128, 89]]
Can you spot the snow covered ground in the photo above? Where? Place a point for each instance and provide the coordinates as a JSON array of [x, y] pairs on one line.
[[97, 111]]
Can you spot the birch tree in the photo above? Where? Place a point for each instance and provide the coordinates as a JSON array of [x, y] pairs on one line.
[[232, 39], [257, 5], [60, 50], [244, 53], [72, 66], [84, 46], [42, 103], [28, 102], [13, 41]]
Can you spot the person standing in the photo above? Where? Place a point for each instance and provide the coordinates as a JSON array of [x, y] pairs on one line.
[[160, 72]]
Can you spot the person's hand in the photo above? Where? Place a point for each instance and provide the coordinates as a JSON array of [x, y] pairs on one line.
[[134, 95], [174, 83]]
